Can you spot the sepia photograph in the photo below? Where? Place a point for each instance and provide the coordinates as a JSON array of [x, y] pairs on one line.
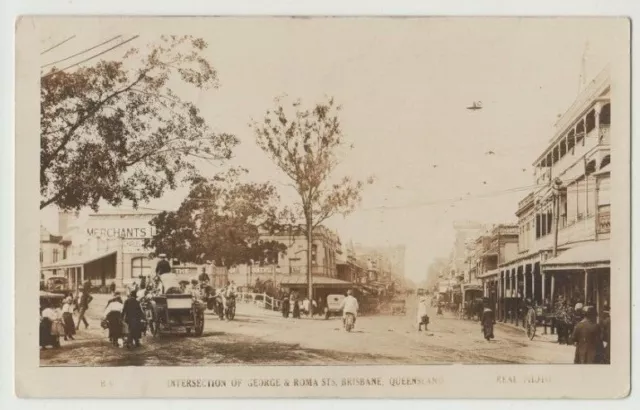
[[325, 193]]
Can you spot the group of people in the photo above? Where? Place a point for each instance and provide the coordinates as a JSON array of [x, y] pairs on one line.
[[57, 321], [292, 305], [124, 320]]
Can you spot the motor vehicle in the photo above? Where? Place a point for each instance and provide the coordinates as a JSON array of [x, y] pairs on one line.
[[398, 307], [58, 285], [174, 308], [334, 305]]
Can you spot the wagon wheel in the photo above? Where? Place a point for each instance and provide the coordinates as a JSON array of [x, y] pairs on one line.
[[199, 323]]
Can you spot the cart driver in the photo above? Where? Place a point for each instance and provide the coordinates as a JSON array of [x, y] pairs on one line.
[[163, 265], [225, 293]]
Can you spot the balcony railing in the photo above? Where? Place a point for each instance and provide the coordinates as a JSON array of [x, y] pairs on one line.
[[604, 221]]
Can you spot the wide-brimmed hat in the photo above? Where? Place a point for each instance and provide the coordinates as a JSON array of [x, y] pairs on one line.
[[162, 255]]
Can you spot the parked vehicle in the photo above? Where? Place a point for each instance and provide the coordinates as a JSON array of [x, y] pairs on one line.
[[334, 304], [58, 285], [398, 307]]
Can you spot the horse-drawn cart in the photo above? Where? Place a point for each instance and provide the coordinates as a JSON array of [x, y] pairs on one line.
[[171, 309]]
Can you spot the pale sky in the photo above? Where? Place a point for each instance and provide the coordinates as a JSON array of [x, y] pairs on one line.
[[403, 85]]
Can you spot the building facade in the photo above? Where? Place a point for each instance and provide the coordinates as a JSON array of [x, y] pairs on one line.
[[563, 224], [108, 247]]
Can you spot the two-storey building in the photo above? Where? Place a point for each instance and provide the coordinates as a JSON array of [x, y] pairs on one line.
[[563, 224]]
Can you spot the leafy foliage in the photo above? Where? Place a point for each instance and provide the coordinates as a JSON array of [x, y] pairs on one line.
[[305, 143], [112, 132], [220, 221]]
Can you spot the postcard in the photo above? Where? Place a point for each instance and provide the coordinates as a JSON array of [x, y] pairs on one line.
[[323, 207]]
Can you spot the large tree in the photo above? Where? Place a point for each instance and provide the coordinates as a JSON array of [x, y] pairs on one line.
[[118, 131], [306, 143], [220, 221]]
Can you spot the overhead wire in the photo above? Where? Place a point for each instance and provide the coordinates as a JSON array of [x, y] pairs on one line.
[[57, 45], [81, 52], [92, 57]]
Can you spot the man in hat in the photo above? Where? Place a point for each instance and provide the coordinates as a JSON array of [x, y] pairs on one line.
[[163, 265], [606, 333], [587, 336]]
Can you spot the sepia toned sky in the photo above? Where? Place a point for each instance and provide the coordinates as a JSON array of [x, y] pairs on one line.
[[404, 85]]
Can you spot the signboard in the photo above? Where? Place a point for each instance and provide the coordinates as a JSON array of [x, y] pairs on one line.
[[146, 232]]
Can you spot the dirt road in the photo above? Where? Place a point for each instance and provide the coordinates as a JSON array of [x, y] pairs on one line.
[[257, 336]]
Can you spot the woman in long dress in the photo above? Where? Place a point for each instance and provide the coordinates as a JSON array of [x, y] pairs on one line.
[[47, 318], [487, 321], [133, 315], [113, 316], [67, 318]]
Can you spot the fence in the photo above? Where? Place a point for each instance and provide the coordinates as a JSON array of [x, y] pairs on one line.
[[260, 299]]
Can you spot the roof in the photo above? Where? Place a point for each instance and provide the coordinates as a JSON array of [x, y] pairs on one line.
[[79, 261], [317, 281], [593, 254]]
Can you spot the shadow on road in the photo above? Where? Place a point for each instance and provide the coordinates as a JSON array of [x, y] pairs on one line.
[[213, 348]]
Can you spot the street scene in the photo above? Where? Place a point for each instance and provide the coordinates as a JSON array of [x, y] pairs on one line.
[[249, 193]]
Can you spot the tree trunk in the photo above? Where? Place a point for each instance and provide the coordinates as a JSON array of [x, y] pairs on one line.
[[309, 261]]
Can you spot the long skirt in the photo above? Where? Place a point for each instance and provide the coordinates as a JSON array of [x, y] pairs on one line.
[[69, 326], [46, 338], [285, 308], [487, 329], [135, 329], [296, 311], [114, 321]]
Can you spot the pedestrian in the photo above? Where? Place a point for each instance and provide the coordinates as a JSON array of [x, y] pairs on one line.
[[314, 307], [163, 265], [296, 308], [588, 338], [113, 318], [487, 321], [606, 334], [422, 317], [85, 299], [306, 306], [48, 335], [67, 318], [286, 305], [133, 316]]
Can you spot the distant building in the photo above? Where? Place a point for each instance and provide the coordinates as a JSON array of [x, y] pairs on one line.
[[107, 248]]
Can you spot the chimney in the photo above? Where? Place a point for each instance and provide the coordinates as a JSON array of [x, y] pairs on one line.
[[66, 220]]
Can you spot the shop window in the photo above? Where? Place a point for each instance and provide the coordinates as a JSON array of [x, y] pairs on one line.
[[140, 266]]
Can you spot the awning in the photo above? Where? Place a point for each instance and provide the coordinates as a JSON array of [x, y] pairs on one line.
[[317, 281], [590, 255], [77, 262]]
